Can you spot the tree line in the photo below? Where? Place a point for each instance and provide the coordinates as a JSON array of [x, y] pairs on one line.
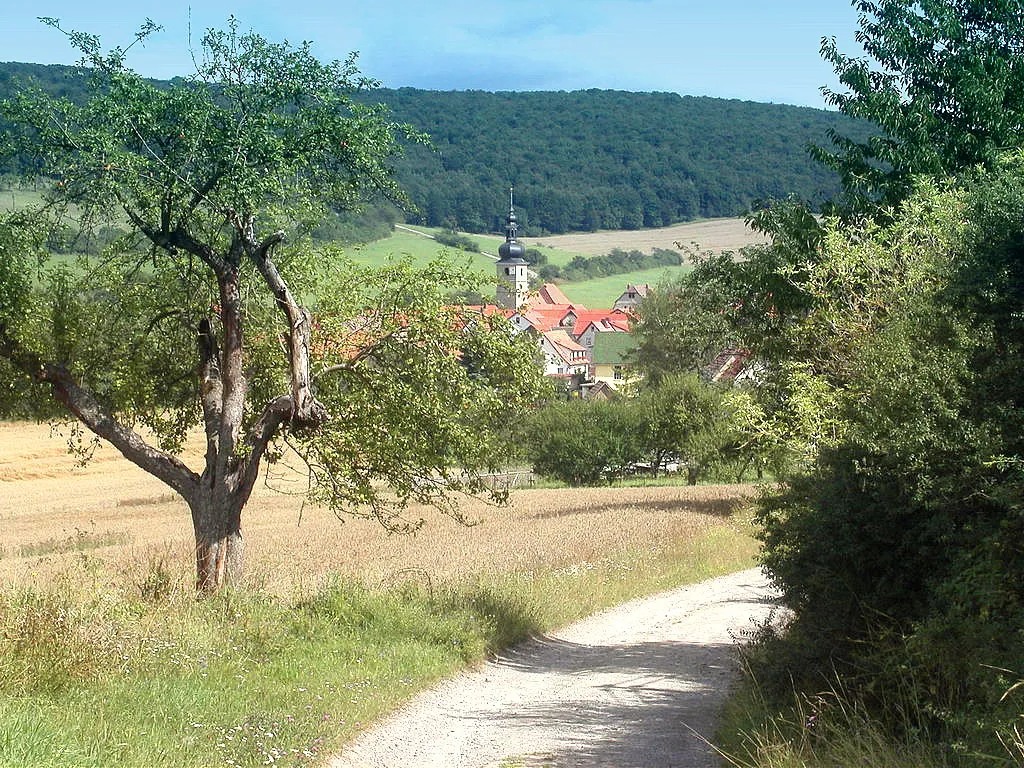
[[596, 159], [680, 425], [616, 262]]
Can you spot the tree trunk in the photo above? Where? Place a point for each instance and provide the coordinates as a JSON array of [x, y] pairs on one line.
[[220, 548]]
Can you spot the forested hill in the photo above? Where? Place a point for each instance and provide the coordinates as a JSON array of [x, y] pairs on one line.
[[583, 160], [587, 160]]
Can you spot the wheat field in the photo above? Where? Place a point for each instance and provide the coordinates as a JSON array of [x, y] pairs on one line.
[[709, 235], [116, 518]]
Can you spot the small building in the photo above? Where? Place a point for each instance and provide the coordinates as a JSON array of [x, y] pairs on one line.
[[563, 356], [590, 324], [632, 296], [599, 391], [609, 359]]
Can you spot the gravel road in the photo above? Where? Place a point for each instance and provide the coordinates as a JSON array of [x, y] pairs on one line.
[[637, 686]]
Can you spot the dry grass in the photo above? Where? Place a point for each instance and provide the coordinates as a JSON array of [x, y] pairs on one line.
[[45, 497], [711, 235]]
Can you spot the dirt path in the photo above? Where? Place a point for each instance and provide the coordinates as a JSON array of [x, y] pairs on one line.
[[638, 686]]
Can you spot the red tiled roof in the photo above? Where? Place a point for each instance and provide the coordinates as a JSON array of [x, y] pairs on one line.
[[545, 318], [729, 364], [550, 293], [607, 319]]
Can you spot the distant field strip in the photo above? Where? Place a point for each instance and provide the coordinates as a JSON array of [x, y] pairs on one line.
[[711, 235]]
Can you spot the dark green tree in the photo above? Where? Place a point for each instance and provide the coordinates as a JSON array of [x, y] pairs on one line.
[[581, 442], [681, 419]]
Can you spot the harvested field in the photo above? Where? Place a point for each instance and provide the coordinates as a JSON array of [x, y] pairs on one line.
[[120, 518], [710, 235]]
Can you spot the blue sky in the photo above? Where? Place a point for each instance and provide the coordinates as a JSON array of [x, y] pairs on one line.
[[741, 49]]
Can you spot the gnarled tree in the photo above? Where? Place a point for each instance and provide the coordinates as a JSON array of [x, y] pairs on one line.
[[200, 315]]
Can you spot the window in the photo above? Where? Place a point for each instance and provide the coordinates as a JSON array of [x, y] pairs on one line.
[[617, 373]]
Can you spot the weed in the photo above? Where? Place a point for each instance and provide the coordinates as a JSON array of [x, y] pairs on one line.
[[826, 729], [157, 573]]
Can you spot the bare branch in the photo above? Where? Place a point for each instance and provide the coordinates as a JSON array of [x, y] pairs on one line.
[[306, 409]]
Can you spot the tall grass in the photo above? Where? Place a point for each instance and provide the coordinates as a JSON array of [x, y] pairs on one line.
[[855, 718], [826, 730], [138, 672]]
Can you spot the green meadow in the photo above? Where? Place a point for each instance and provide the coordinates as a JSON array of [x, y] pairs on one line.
[[601, 292]]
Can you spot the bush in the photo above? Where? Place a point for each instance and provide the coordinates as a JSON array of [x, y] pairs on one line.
[[899, 545], [455, 240]]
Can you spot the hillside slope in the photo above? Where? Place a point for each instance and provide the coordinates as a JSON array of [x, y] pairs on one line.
[[590, 160]]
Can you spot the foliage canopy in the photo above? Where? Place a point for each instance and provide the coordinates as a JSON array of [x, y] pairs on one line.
[[942, 79]]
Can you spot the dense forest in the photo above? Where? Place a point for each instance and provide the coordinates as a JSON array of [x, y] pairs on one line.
[[587, 160], [582, 160]]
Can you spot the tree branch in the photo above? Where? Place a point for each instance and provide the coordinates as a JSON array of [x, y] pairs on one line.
[[277, 412], [306, 409], [87, 409], [211, 389]]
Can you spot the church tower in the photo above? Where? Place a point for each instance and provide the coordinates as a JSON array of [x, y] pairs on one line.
[[513, 280]]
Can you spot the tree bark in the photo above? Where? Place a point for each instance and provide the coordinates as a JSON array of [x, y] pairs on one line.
[[220, 547]]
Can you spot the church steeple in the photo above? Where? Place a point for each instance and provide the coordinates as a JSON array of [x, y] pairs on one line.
[[513, 280]]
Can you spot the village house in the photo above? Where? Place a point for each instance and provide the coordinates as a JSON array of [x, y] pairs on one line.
[[609, 361], [632, 296]]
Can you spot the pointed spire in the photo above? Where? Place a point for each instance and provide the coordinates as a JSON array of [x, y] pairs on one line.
[[511, 249], [511, 225]]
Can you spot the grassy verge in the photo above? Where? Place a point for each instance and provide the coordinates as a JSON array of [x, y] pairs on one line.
[[92, 674]]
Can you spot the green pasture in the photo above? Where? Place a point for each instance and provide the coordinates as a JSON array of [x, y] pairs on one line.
[[421, 249], [13, 196], [601, 292]]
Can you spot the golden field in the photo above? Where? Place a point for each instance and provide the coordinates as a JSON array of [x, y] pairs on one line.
[[709, 235], [116, 519]]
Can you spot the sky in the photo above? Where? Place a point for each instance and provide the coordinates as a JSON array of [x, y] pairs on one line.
[[736, 49]]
